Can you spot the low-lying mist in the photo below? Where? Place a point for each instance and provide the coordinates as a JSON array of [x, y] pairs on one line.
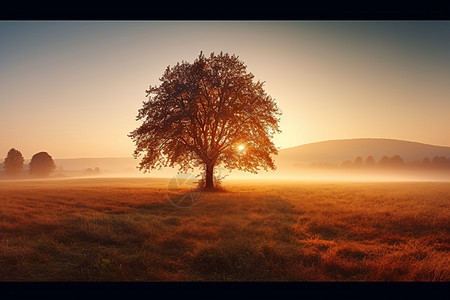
[[282, 173], [343, 175]]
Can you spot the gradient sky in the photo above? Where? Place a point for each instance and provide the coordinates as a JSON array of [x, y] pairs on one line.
[[73, 88]]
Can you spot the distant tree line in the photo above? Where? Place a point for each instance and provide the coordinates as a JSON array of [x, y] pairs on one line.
[[91, 171], [396, 161], [41, 164]]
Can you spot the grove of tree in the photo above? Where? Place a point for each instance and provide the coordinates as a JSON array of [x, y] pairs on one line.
[[396, 161]]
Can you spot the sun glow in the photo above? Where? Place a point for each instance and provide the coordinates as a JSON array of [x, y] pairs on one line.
[[241, 147]]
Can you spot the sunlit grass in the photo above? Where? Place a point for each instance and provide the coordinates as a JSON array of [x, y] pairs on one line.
[[127, 230]]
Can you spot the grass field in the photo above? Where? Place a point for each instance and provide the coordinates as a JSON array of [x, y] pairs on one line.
[[125, 229]]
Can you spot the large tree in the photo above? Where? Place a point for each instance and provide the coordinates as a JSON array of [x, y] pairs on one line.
[[41, 165], [207, 113], [13, 162]]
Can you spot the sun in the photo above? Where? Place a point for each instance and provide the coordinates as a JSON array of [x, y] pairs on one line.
[[241, 147]]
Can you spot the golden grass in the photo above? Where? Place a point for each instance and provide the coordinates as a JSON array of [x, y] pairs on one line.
[[127, 230]]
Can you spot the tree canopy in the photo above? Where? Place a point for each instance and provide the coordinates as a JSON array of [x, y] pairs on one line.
[[13, 163], [207, 113], [42, 165]]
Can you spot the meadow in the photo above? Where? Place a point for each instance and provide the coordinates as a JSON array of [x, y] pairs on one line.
[[126, 229]]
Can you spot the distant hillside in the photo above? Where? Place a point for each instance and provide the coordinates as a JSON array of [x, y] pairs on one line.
[[126, 166], [108, 166], [113, 164], [327, 152], [337, 151]]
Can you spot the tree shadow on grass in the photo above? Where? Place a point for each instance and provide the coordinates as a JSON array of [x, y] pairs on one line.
[[185, 199]]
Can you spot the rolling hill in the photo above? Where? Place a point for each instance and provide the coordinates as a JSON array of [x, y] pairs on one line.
[[337, 151], [115, 166]]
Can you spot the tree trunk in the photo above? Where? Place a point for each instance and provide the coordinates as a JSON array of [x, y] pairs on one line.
[[209, 176]]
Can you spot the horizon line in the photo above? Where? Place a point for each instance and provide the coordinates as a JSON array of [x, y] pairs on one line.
[[290, 147]]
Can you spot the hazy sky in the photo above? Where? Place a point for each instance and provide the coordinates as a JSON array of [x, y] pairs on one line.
[[73, 88]]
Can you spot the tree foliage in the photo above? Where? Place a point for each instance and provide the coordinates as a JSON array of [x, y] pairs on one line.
[[370, 161], [42, 165], [207, 113], [13, 163], [359, 161]]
